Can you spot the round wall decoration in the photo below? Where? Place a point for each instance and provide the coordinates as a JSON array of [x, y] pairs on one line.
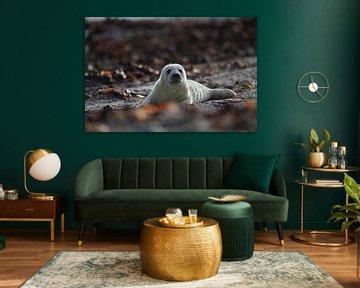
[[313, 87]]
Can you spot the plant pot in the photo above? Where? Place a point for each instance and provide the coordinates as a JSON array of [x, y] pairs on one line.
[[317, 159]]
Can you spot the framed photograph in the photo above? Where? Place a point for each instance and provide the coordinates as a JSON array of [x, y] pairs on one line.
[[166, 74]]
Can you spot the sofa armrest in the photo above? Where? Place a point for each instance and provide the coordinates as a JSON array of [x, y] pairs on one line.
[[89, 179], [277, 184]]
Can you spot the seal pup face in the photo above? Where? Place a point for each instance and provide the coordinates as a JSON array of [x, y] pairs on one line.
[[173, 74]]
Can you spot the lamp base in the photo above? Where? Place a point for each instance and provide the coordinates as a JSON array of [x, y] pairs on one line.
[[41, 196]]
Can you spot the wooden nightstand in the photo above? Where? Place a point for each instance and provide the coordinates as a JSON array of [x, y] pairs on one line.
[[26, 209]]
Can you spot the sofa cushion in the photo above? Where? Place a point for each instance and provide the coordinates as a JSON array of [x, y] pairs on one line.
[[266, 207], [251, 172]]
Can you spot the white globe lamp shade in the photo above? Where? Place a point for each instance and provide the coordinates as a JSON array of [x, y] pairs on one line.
[[44, 164]]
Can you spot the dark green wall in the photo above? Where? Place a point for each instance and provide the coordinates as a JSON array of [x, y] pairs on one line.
[[42, 98]]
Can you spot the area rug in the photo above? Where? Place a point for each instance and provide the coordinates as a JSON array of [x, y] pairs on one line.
[[80, 269]]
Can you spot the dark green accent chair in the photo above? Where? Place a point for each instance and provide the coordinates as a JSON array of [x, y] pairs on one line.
[[236, 221], [131, 190]]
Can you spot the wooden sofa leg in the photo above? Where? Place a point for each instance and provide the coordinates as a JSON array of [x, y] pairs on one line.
[[265, 227], [81, 233], [280, 233]]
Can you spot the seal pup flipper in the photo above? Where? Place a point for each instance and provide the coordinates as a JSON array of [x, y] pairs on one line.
[[200, 93], [217, 94]]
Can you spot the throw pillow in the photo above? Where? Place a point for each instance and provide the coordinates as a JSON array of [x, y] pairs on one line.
[[251, 172]]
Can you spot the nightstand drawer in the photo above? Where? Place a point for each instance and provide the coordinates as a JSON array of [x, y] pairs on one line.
[[28, 209]]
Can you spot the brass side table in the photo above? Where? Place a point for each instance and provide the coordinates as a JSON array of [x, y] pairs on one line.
[[180, 254], [297, 235]]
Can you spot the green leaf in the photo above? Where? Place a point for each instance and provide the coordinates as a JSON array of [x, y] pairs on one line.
[[346, 225], [352, 188], [321, 146], [314, 135], [350, 207], [336, 216], [326, 136], [305, 146]]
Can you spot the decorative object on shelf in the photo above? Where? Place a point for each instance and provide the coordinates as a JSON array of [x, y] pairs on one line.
[[332, 162], [327, 181], [304, 176], [43, 165], [2, 192], [313, 87], [350, 213], [342, 154], [317, 157], [11, 194], [228, 198]]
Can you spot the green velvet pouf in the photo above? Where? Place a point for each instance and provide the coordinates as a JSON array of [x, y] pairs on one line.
[[236, 221]]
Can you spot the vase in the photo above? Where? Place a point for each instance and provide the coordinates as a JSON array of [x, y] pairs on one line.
[[317, 159]]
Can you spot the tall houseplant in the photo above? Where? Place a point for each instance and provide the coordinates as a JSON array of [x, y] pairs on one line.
[[350, 214], [317, 157]]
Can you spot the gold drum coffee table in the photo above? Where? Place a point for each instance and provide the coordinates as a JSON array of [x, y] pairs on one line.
[[180, 254]]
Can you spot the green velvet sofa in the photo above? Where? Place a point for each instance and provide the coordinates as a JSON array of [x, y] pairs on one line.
[[130, 190]]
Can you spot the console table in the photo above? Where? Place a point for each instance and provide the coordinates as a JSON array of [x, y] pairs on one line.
[[297, 235], [27, 209]]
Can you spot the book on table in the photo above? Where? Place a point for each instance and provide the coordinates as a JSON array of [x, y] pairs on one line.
[[327, 181]]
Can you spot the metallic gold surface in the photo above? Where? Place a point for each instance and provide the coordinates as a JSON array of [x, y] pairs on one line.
[[62, 227], [324, 169], [282, 242], [317, 159], [41, 196], [296, 237], [314, 184], [180, 254], [188, 224], [36, 155]]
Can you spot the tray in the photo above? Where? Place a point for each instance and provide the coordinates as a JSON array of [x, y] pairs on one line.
[[164, 222], [228, 198]]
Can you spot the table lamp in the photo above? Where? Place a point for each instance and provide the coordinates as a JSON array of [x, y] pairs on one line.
[[43, 165]]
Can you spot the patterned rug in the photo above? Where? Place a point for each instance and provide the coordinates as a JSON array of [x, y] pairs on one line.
[[122, 269]]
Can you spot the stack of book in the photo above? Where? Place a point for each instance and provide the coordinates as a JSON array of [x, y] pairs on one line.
[[327, 181]]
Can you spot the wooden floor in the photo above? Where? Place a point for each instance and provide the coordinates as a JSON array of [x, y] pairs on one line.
[[28, 250]]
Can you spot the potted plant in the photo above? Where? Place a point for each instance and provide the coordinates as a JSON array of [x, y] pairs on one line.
[[350, 214], [317, 157]]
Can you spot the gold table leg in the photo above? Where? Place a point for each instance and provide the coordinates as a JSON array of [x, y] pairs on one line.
[[346, 230], [52, 230], [63, 223], [295, 236], [302, 210]]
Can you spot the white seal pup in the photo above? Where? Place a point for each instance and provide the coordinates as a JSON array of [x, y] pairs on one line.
[[174, 85]]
